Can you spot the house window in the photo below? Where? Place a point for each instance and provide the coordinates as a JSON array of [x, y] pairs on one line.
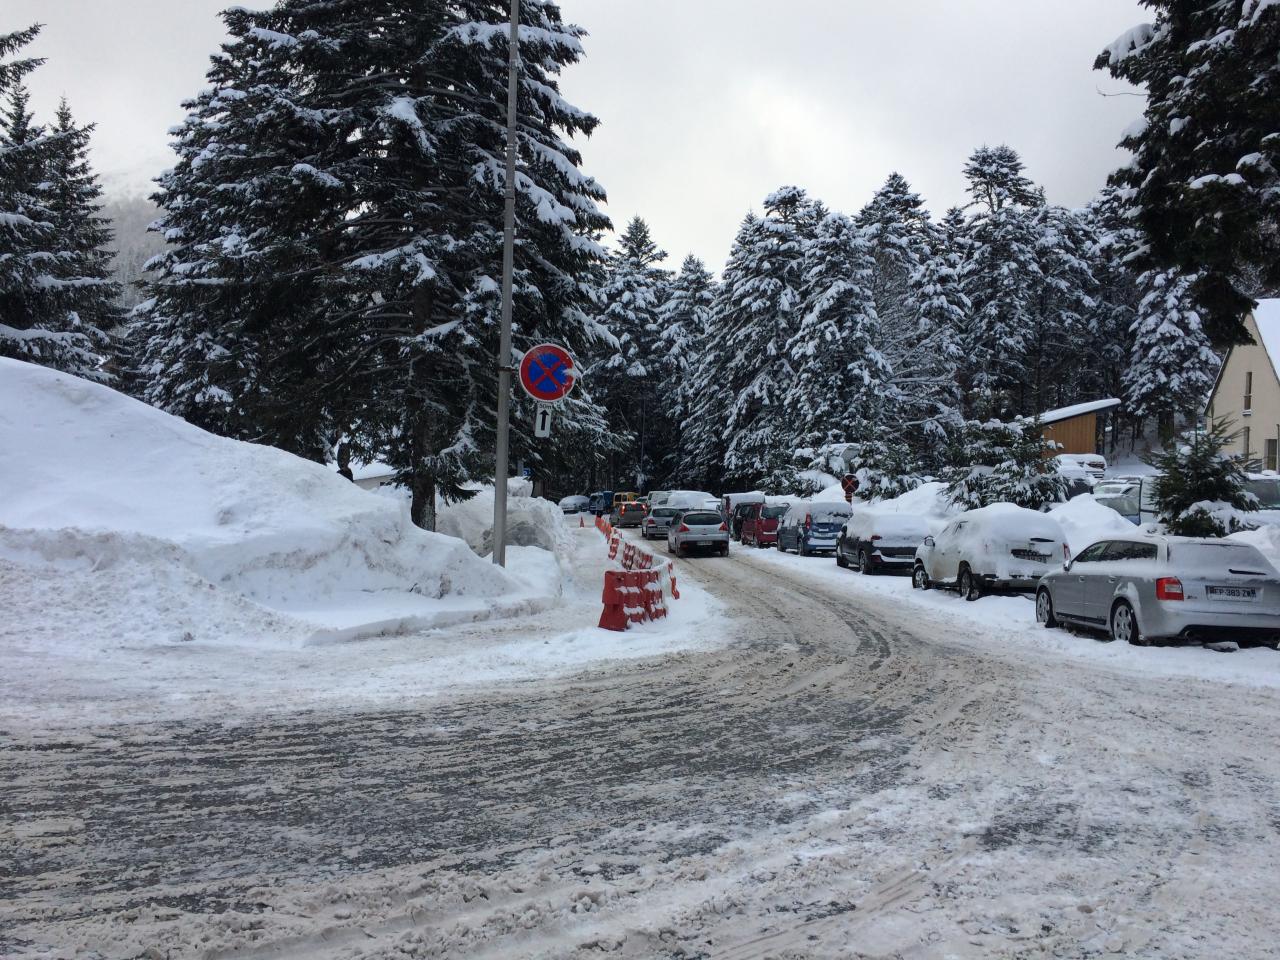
[[1248, 394], [1246, 446], [1270, 457]]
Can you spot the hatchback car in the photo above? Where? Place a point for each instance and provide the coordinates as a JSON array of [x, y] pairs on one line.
[[698, 530], [575, 504], [881, 542], [629, 514], [1143, 588], [997, 548], [809, 528], [760, 524], [656, 522]]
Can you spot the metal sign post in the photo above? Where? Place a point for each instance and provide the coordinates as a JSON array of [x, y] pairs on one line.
[[508, 270]]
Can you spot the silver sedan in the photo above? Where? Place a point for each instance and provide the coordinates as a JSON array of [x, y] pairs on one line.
[[1143, 588], [698, 530]]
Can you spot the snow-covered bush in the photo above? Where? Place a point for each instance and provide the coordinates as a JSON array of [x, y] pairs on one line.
[[1200, 492], [1005, 464]]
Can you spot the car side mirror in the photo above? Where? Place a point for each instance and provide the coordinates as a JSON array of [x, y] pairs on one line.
[[928, 542], [1068, 565]]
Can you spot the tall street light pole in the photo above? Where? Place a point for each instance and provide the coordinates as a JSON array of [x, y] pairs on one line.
[[508, 272]]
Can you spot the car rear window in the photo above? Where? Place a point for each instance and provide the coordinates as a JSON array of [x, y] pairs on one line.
[[1217, 558], [773, 513], [1266, 490], [701, 519], [665, 512]]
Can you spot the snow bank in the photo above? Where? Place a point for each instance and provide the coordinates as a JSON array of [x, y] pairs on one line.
[[1085, 521], [1266, 539], [125, 497]]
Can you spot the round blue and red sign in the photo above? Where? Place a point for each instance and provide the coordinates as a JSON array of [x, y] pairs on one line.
[[547, 373]]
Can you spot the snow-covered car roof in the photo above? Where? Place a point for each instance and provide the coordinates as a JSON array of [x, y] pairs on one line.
[[1008, 519]]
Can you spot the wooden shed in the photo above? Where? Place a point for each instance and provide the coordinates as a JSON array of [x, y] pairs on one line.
[[1074, 429]]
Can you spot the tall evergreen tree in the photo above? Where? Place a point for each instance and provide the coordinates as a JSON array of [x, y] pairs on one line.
[[1204, 182], [42, 283], [685, 319], [760, 308], [999, 276], [841, 387], [359, 166], [1172, 368]]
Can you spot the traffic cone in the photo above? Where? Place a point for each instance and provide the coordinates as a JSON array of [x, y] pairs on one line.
[[582, 522]]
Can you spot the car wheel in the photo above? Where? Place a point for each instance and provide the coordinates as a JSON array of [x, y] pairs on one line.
[[724, 551], [1044, 608], [969, 588], [801, 549], [919, 579], [864, 562], [841, 562], [1124, 625]]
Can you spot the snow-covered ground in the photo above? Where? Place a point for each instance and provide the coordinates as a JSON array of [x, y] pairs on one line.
[[149, 569]]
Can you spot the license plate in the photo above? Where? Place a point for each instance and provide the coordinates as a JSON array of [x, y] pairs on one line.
[[1232, 593], [703, 543]]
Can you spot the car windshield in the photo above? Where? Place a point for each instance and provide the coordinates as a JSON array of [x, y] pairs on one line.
[[1125, 504], [701, 519], [1113, 488], [1267, 490], [773, 513]]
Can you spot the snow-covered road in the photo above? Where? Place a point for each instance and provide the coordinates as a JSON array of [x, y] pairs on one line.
[[827, 784]]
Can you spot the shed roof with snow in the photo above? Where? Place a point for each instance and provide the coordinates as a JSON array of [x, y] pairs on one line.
[[1078, 410]]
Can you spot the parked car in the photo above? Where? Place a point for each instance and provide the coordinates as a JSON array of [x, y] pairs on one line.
[[760, 523], [881, 542], [601, 502], [685, 499], [656, 522], [1000, 547], [657, 497], [1094, 464], [730, 503], [809, 528], [737, 516], [698, 530], [629, 514], [1266, 487], [1147, 587], [575, 504], [1131, 497], [621, 497]]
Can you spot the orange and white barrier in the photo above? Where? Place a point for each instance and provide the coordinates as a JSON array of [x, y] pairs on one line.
[[638, 593]]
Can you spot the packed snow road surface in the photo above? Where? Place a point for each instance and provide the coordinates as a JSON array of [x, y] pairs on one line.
[[829, 784]]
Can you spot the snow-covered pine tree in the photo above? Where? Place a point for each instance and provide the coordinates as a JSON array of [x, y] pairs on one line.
[[1200, 490], [1172, 367], [927, 370], [1062, 303], [999, 276], [38, 322], [248, 324], [82, 283], [899, 234], [1108, 344], [1004, 462], [760, 309], [360, 157], [840, 388], [701, 455], [685, 319], [629, 375], [1204, 181]]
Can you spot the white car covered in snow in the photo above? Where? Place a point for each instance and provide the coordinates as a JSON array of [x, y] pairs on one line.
[[995, 548]]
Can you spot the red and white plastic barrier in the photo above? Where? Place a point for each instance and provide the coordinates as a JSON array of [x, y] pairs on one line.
[[638, 593]]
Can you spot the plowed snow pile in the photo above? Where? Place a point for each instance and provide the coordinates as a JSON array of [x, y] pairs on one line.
[[122, 525]]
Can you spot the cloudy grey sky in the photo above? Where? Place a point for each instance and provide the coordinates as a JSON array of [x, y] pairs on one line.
[[708, 105]]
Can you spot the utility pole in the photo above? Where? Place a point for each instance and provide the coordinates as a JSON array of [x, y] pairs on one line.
[[508, 273]]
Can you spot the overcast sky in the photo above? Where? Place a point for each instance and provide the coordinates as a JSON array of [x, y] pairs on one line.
[[707, 105]]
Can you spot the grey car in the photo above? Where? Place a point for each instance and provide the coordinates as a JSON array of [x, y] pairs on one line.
[[656, 522], [1146, 587], [698, 530]]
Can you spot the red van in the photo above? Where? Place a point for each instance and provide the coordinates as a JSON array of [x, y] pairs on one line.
[[760, 524]]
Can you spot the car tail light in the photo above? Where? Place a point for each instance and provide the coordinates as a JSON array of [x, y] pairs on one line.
[[1066, 552], [875, 537], [1169, 588], [723, 527], [808, 520], [683, 528]]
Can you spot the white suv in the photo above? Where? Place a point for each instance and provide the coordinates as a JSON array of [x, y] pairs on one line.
[[1000, 547]]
